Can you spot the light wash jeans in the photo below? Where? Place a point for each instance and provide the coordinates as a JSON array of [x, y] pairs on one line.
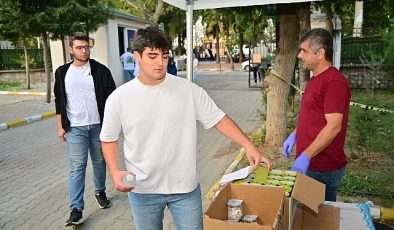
[[185, 208], [129, 75], [332, 180], [81, 140]]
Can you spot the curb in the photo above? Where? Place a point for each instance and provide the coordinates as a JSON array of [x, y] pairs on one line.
[[211, 193], [24, 93], [26, 120], [218, 70]]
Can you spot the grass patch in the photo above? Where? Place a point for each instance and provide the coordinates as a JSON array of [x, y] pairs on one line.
[[371, 131], [11, 86], [369, 180], [370, 149]]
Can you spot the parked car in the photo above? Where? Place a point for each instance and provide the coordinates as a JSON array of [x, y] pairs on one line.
[[262, 67], [246, 66]]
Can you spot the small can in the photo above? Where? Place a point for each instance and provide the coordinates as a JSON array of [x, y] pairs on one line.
[[234, 209], [249, 218], [130, 180]]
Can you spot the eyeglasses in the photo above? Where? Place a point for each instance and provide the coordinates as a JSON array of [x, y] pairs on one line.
[[80, 48]]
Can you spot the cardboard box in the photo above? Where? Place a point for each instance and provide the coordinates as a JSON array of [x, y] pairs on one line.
[[264, 201], [304, 209], [306, 219], [256, 58]]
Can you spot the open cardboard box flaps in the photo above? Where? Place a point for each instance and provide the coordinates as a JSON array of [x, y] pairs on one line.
[[304, 209], [308, 191]]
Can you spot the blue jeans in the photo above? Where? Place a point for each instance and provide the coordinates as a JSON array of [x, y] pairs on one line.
[[81, 140], [129, 75], [185, 208], [332, 180]]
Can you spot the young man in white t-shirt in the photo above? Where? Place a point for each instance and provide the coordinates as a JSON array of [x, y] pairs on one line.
[[128, 64], [157, 114]]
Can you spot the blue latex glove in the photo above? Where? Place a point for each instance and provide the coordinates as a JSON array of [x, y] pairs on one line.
[[301, 164], [288, 145]]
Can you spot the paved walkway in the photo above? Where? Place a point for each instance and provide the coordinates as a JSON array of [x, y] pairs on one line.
[[25, 107], [34, 167]]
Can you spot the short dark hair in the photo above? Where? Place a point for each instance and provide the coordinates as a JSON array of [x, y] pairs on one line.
[[319, 39], [78, 36], [151, 37]]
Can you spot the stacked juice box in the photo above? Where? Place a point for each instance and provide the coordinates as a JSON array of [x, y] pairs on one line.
[[282, 178], [275, 177]]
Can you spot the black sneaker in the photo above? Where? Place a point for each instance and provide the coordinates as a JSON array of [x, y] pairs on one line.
[[75, 217], [102, 200]]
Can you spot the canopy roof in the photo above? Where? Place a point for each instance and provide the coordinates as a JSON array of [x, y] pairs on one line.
[[190, 5], [212, 4]]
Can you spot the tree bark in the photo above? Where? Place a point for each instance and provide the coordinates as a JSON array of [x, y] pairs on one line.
[[158, 10], [27, 67], [46, 64], [217, 46], [241, 45], [277, 90], [63, 48], [304, 15], [328, 12]]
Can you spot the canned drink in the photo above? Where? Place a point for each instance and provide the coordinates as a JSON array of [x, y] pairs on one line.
[[249, 218], [130, 180], [234, 209]]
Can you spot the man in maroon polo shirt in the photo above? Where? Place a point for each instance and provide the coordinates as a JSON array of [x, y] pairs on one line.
[[322, 121]]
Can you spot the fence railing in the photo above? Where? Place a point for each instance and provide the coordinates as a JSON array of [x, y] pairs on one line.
[[353, 48], [366, 44], [13, 59]]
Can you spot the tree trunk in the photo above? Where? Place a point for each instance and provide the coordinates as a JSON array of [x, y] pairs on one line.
[[158, 10], [304, 15], [179, 44], [228, 51], [229, 57], [277, 90], [27, 67], [241, 45], [46, 64], [217, 45], [328, 12], [63, 48]]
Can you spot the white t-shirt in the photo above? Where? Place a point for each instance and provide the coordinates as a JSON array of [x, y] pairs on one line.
[[160, 131], [81, 96], [128, 61]]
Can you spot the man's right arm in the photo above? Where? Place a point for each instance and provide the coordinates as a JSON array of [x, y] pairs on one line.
[[60, 131], [111, 156]]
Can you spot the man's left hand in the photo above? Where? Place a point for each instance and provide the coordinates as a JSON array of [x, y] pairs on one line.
[[301, 164]]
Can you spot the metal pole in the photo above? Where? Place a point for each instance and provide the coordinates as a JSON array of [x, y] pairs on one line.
[[337, 28], [189, 36]]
